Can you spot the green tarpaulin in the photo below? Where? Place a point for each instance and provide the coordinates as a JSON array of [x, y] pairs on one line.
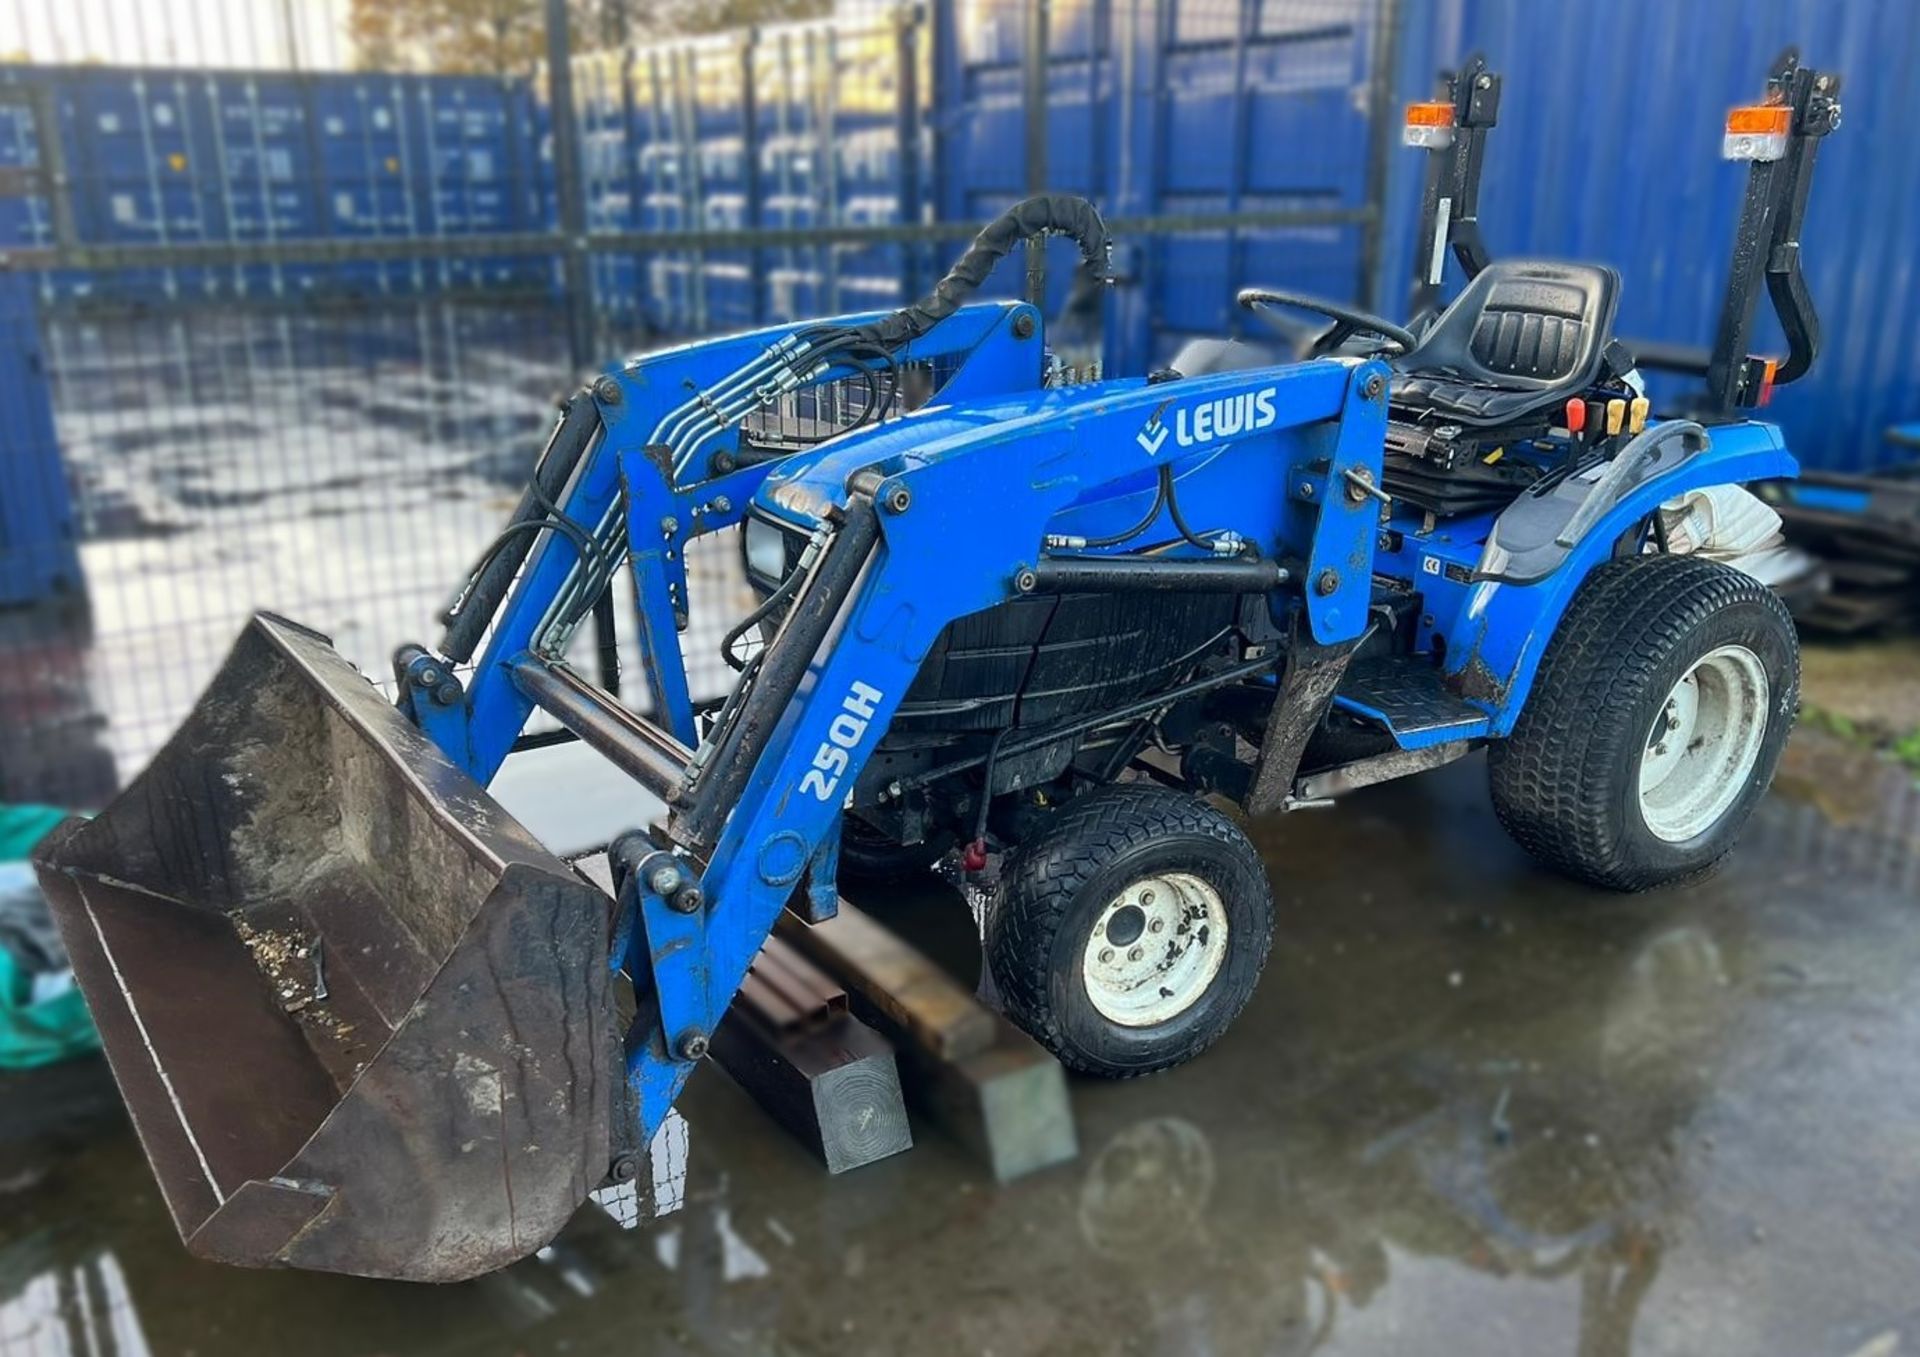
[[21, 827], [42, 1016]]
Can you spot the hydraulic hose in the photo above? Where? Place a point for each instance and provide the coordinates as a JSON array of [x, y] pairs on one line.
[[738, 745], [793, 362], [572, 436], [1048, 214]]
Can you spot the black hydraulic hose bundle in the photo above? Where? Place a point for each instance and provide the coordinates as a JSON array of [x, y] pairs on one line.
[[777, 671], [1162, 485], [1047, 214], [487, 587], [760, 614], [862, 348], [868, 350], [1173, 510], [1165, 498]]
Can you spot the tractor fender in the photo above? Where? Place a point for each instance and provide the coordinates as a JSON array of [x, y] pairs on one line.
[[1502, 633]]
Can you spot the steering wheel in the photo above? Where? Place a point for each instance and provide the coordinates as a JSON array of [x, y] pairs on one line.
[[1347, 322]]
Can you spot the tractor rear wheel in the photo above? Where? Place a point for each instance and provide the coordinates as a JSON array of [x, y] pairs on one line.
[[1654, 725], [1129, 933]]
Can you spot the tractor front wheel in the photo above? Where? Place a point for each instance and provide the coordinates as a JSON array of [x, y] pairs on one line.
[[1655, 724], [1129, 933]]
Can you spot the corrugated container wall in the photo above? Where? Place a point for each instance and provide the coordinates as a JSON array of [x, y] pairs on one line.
[[789, 126], [1608, 149], [176, 157], [1188, 108]]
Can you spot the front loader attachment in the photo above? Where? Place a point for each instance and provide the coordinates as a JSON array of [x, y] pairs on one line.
[[361, 1018]]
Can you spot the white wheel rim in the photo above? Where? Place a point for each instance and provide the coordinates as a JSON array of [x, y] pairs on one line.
[[1155, 949], [1704, 744]]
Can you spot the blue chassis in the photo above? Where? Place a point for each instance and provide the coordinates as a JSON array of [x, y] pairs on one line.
[[994, 466]]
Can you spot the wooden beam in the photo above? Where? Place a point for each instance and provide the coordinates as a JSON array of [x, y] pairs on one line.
[[1007, 1104], [785, 991], [813, 1067], [915, 994], [790, 1042], [1004, 1098], [961, 1065]]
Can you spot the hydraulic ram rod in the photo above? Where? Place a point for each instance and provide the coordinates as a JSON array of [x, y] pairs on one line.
[[1125, 575], [643, 752]]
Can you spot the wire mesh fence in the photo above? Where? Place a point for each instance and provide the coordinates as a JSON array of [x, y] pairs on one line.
[[340, 468], [292, 339]]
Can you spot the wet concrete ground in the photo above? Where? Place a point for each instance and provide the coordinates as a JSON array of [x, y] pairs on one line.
[[1473, 1109]]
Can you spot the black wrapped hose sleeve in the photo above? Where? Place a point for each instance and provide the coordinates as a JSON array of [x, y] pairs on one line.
[[1048, 214]]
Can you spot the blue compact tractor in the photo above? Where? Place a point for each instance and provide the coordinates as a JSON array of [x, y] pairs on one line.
[[1048, 620]]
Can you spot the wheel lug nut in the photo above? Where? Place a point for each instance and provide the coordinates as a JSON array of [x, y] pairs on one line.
[[1106, 954], [1146, 897], [1156, 925], [1134, 955]]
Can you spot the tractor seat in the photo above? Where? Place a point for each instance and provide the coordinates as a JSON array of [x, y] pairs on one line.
[[1522, 336]]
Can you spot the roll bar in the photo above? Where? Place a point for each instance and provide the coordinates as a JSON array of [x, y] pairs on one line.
[[1450, 207], [1767, 246]]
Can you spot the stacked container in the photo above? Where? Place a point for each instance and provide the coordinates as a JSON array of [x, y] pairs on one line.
[[161, 158]]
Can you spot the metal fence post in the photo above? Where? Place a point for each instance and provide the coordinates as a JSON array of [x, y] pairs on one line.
[[682, 64], [906, 137], [570, 190], [753, 216], [616, 24], [55, 184], [1036, 111], [38, 556], [944, 98], [1383, 138], [630, 170]]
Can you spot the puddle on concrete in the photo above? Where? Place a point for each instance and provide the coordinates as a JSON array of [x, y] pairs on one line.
[[1474, 1108]]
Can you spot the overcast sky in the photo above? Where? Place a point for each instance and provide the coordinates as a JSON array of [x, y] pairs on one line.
[[250, 33]]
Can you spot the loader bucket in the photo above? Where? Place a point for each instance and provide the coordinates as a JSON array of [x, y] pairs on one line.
[[361, 1018]]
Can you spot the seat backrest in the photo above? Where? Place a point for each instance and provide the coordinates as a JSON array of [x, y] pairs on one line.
[[1522, 325]]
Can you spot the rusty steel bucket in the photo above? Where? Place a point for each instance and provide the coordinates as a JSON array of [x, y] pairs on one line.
[[362, 1019]]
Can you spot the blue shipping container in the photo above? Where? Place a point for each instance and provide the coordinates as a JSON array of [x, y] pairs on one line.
[[1186, 107], [38, 555]]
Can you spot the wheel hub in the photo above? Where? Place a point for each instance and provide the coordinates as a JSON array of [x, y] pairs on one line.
[[1704, 744], [1155, 949]]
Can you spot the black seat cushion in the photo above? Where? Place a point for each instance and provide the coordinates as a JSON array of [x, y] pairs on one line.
[[1524, 335]]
